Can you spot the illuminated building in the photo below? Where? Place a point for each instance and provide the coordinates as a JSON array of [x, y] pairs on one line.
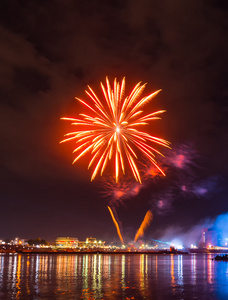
[[211, 237], [91, 240], [18, 241], [66, 242], [91, 243]]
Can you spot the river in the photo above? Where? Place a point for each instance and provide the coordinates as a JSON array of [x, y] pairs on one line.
[[112, 276]]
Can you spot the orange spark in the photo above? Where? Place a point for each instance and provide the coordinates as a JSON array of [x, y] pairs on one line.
[[111, 130], [145, 223], [152, 172], [116, 224]]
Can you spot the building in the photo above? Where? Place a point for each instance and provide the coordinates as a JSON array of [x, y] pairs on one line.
[[66, 242], [91, 243], [211, 238], [71, 242], [18, 241]]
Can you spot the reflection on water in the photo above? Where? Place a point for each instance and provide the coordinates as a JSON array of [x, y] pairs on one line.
[[109, 276]]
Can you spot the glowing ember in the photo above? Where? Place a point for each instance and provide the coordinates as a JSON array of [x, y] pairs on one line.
[[145, 223], [116, 224], [109, 131], [151, 172]]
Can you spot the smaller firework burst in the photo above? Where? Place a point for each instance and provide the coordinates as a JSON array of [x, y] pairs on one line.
[[117, 192]]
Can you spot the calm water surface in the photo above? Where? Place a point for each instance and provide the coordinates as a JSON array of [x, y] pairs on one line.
[[109, 276]]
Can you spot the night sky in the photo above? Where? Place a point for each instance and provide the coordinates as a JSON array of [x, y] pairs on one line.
[[50, 51]]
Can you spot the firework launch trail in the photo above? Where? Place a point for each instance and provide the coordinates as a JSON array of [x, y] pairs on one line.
[[116, 224], [145, 223]]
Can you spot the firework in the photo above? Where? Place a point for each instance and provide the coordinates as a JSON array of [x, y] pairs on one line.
[[117, 192], [116, 224], [145, 223], [182, 157], [110, 130]]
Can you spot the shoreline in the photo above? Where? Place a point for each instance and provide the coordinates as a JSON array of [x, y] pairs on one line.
[[97, 252], [101, 251]]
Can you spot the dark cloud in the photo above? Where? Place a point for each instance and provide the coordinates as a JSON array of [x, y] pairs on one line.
[[31, 80]]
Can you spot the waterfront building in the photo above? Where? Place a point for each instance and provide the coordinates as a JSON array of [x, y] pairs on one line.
[[18, 241], [211, 238], [72, 242], [66, 242], [91, 243]]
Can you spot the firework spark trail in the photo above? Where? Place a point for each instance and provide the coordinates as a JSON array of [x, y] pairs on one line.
[[110, 131], [116, 224], [145, 223]]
